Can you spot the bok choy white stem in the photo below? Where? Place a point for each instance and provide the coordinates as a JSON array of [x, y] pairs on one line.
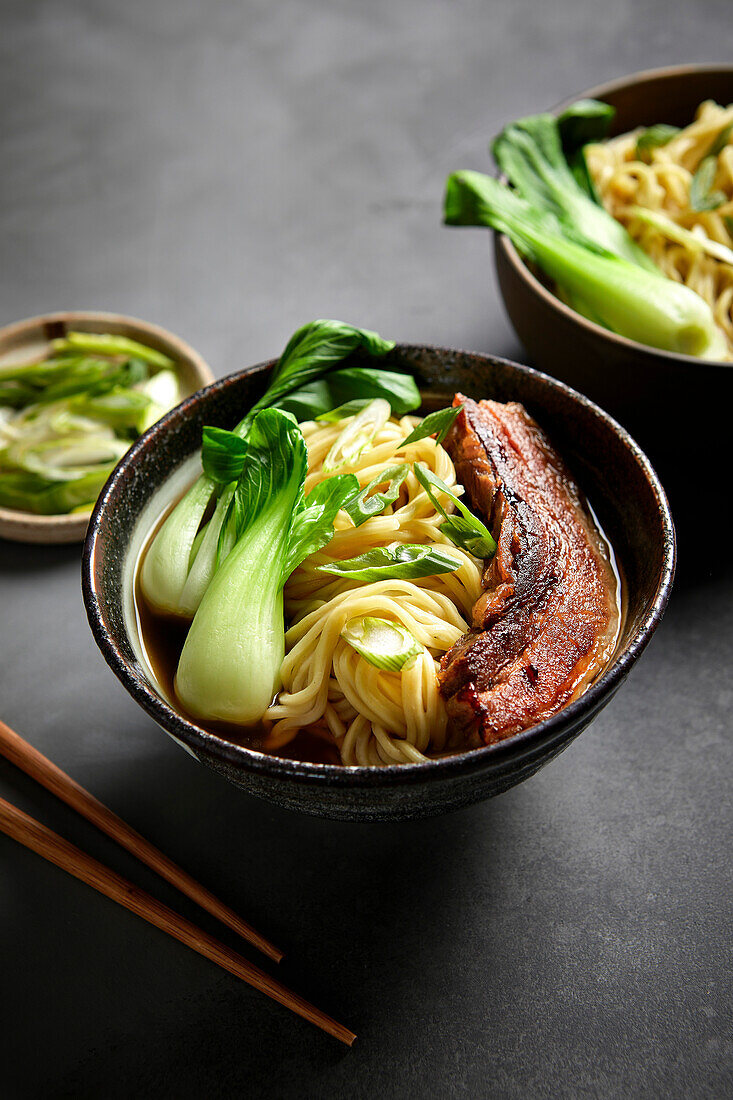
[[229, 668]]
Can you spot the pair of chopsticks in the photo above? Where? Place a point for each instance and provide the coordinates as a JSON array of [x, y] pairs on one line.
[[54, 848]]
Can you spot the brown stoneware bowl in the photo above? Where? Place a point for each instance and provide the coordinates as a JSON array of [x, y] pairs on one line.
[[24, 341], [647, 389], [613, 472]]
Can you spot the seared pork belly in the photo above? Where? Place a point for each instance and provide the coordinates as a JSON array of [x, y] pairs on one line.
[[547, 621]]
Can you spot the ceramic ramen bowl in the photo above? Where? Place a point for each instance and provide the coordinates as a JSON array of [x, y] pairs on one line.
[[615, 475]]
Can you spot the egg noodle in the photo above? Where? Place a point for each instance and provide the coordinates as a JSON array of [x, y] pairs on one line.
[[374, 716], [624, 181]]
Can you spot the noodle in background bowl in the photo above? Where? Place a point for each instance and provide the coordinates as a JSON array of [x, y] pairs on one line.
[[649, 390], [610, 468]]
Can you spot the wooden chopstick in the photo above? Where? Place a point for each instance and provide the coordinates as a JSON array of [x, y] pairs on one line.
[[40, 768], [54, 848]]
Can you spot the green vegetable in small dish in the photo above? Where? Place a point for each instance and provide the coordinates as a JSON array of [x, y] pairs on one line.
[[66, 420]]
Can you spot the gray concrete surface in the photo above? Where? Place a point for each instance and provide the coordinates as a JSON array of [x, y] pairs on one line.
[[231, 170]]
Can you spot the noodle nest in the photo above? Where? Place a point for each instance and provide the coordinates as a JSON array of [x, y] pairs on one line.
[[374, 716]]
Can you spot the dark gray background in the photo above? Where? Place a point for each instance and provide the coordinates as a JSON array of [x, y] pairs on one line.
[[230, 170]]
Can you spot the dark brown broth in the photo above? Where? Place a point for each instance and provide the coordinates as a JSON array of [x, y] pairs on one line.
[[163, 637]]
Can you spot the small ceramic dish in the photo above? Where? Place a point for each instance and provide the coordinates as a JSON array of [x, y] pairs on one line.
[[617, 478], [29, 339], [647, 389]]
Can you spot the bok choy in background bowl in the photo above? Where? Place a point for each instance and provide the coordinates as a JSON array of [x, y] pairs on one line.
[[158, 491], [648, 388], [76, 388]]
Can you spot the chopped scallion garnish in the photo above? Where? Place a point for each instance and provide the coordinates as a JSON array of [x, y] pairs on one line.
[[385, 645]]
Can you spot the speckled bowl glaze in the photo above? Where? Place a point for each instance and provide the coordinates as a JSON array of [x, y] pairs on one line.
[[609, 466], [647, 389]]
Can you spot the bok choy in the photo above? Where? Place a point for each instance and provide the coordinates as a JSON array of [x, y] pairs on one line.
[[530, 154], [189, 547], [625, 297], [229, 668], [68, 419]]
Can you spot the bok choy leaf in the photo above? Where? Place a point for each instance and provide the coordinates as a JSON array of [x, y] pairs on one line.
[[223, 455], [530, 154], [310, 353], [345, 392]]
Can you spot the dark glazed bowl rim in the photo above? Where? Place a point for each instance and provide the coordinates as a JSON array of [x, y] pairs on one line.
[[623, 343], [523, 744]]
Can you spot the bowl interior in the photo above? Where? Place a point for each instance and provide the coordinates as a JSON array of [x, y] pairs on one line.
[[609, 467], [26, 340]]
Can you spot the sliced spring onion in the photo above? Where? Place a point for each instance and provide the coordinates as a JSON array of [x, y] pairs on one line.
[[436, 423], [465, 530], [399, 561], [653, 138], [357, 435], [674, 232], [109, 344], [351, 408], [702, 195], [386, 645], [367, 503]]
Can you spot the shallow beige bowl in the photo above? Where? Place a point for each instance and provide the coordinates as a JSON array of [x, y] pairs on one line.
[[26, 340]]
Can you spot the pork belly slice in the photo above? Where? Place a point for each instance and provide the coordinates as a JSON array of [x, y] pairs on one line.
[[546, 624]]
